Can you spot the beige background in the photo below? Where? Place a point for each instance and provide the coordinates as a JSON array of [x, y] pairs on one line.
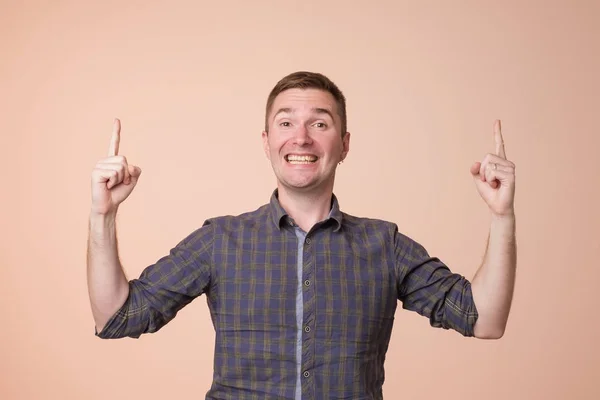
[[189, 80]]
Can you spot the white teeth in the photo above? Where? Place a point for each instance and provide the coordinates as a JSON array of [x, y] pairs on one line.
[[296, 159]]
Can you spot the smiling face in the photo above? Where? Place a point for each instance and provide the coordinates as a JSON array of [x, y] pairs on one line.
[[304, 142]]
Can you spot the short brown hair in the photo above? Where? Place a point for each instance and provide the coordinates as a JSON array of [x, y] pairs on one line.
[[308, 80]]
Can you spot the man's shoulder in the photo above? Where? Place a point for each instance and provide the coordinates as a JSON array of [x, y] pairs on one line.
[[376, 227], [228, 225], [258, 216], [355, 222]]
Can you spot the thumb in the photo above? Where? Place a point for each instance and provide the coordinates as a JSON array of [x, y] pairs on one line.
[[475, 168], [134, 171]]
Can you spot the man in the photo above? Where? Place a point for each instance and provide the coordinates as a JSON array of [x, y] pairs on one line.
[[302, 295]]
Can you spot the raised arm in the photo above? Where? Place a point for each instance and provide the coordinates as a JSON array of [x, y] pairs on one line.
[[494, 282], [113, 180]]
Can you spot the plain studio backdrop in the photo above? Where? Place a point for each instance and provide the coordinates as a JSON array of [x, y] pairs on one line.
[[189, 81]]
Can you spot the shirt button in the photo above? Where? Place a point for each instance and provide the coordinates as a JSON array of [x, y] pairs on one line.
[[306, 374], [307, 283], [307, 329]]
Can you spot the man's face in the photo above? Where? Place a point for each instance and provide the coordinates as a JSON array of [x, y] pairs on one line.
[[304, 143]]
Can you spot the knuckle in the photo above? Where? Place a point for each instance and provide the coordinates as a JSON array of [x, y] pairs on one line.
[[115, 159]]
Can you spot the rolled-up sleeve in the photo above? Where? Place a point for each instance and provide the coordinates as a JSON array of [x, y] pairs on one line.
[[427, 286], [165, 287]]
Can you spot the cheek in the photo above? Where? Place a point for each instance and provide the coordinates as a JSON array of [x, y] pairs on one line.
[[278, 146], [333, 149]]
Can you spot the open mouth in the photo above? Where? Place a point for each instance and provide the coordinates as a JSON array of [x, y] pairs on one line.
[[303, 159]]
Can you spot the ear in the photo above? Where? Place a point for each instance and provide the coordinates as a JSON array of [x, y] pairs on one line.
[[266, 147], [345, 145]]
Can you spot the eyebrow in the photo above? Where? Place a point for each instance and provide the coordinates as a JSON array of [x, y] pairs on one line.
[[317, 110]]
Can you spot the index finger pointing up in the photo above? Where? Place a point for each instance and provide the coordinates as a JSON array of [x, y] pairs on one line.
[[113, 149], [499, 140]]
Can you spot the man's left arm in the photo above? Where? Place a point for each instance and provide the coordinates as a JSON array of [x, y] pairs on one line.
[[493, 284]]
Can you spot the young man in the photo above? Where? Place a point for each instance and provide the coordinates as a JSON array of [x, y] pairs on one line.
[[302, 295]]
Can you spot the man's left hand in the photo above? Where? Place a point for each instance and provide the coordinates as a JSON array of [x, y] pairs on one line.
[[494, 178]]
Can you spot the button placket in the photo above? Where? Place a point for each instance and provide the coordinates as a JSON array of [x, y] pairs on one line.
[[308, 347]]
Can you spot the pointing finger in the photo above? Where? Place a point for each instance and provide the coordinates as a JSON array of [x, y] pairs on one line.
[[113, 149], [500, 151]]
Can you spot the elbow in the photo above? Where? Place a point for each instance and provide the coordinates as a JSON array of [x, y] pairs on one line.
[[490, 335], [489, 332]]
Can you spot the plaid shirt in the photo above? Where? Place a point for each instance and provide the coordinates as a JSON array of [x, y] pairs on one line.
[[328, 331]]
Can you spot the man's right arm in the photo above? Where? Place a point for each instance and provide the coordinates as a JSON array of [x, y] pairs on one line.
[[130, 308], [113, 180]]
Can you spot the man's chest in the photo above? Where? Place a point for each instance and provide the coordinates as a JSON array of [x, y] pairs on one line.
[[344, 289]]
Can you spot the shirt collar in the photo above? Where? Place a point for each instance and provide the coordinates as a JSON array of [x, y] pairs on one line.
[[279, 214]]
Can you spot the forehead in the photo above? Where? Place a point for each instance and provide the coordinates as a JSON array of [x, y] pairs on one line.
[[304, 100]]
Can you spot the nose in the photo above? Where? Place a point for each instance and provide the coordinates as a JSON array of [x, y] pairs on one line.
[[302, 136]]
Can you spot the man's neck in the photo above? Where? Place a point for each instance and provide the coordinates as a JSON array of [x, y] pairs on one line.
[[305, 208]]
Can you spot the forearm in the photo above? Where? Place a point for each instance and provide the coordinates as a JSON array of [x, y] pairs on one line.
[[107, 284], [493, 284]]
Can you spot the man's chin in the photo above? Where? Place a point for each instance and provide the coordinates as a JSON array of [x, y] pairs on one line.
[[298, 185], [301, 186], [304, 186]]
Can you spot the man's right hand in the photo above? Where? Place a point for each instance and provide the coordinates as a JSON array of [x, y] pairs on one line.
[[113, 179]]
